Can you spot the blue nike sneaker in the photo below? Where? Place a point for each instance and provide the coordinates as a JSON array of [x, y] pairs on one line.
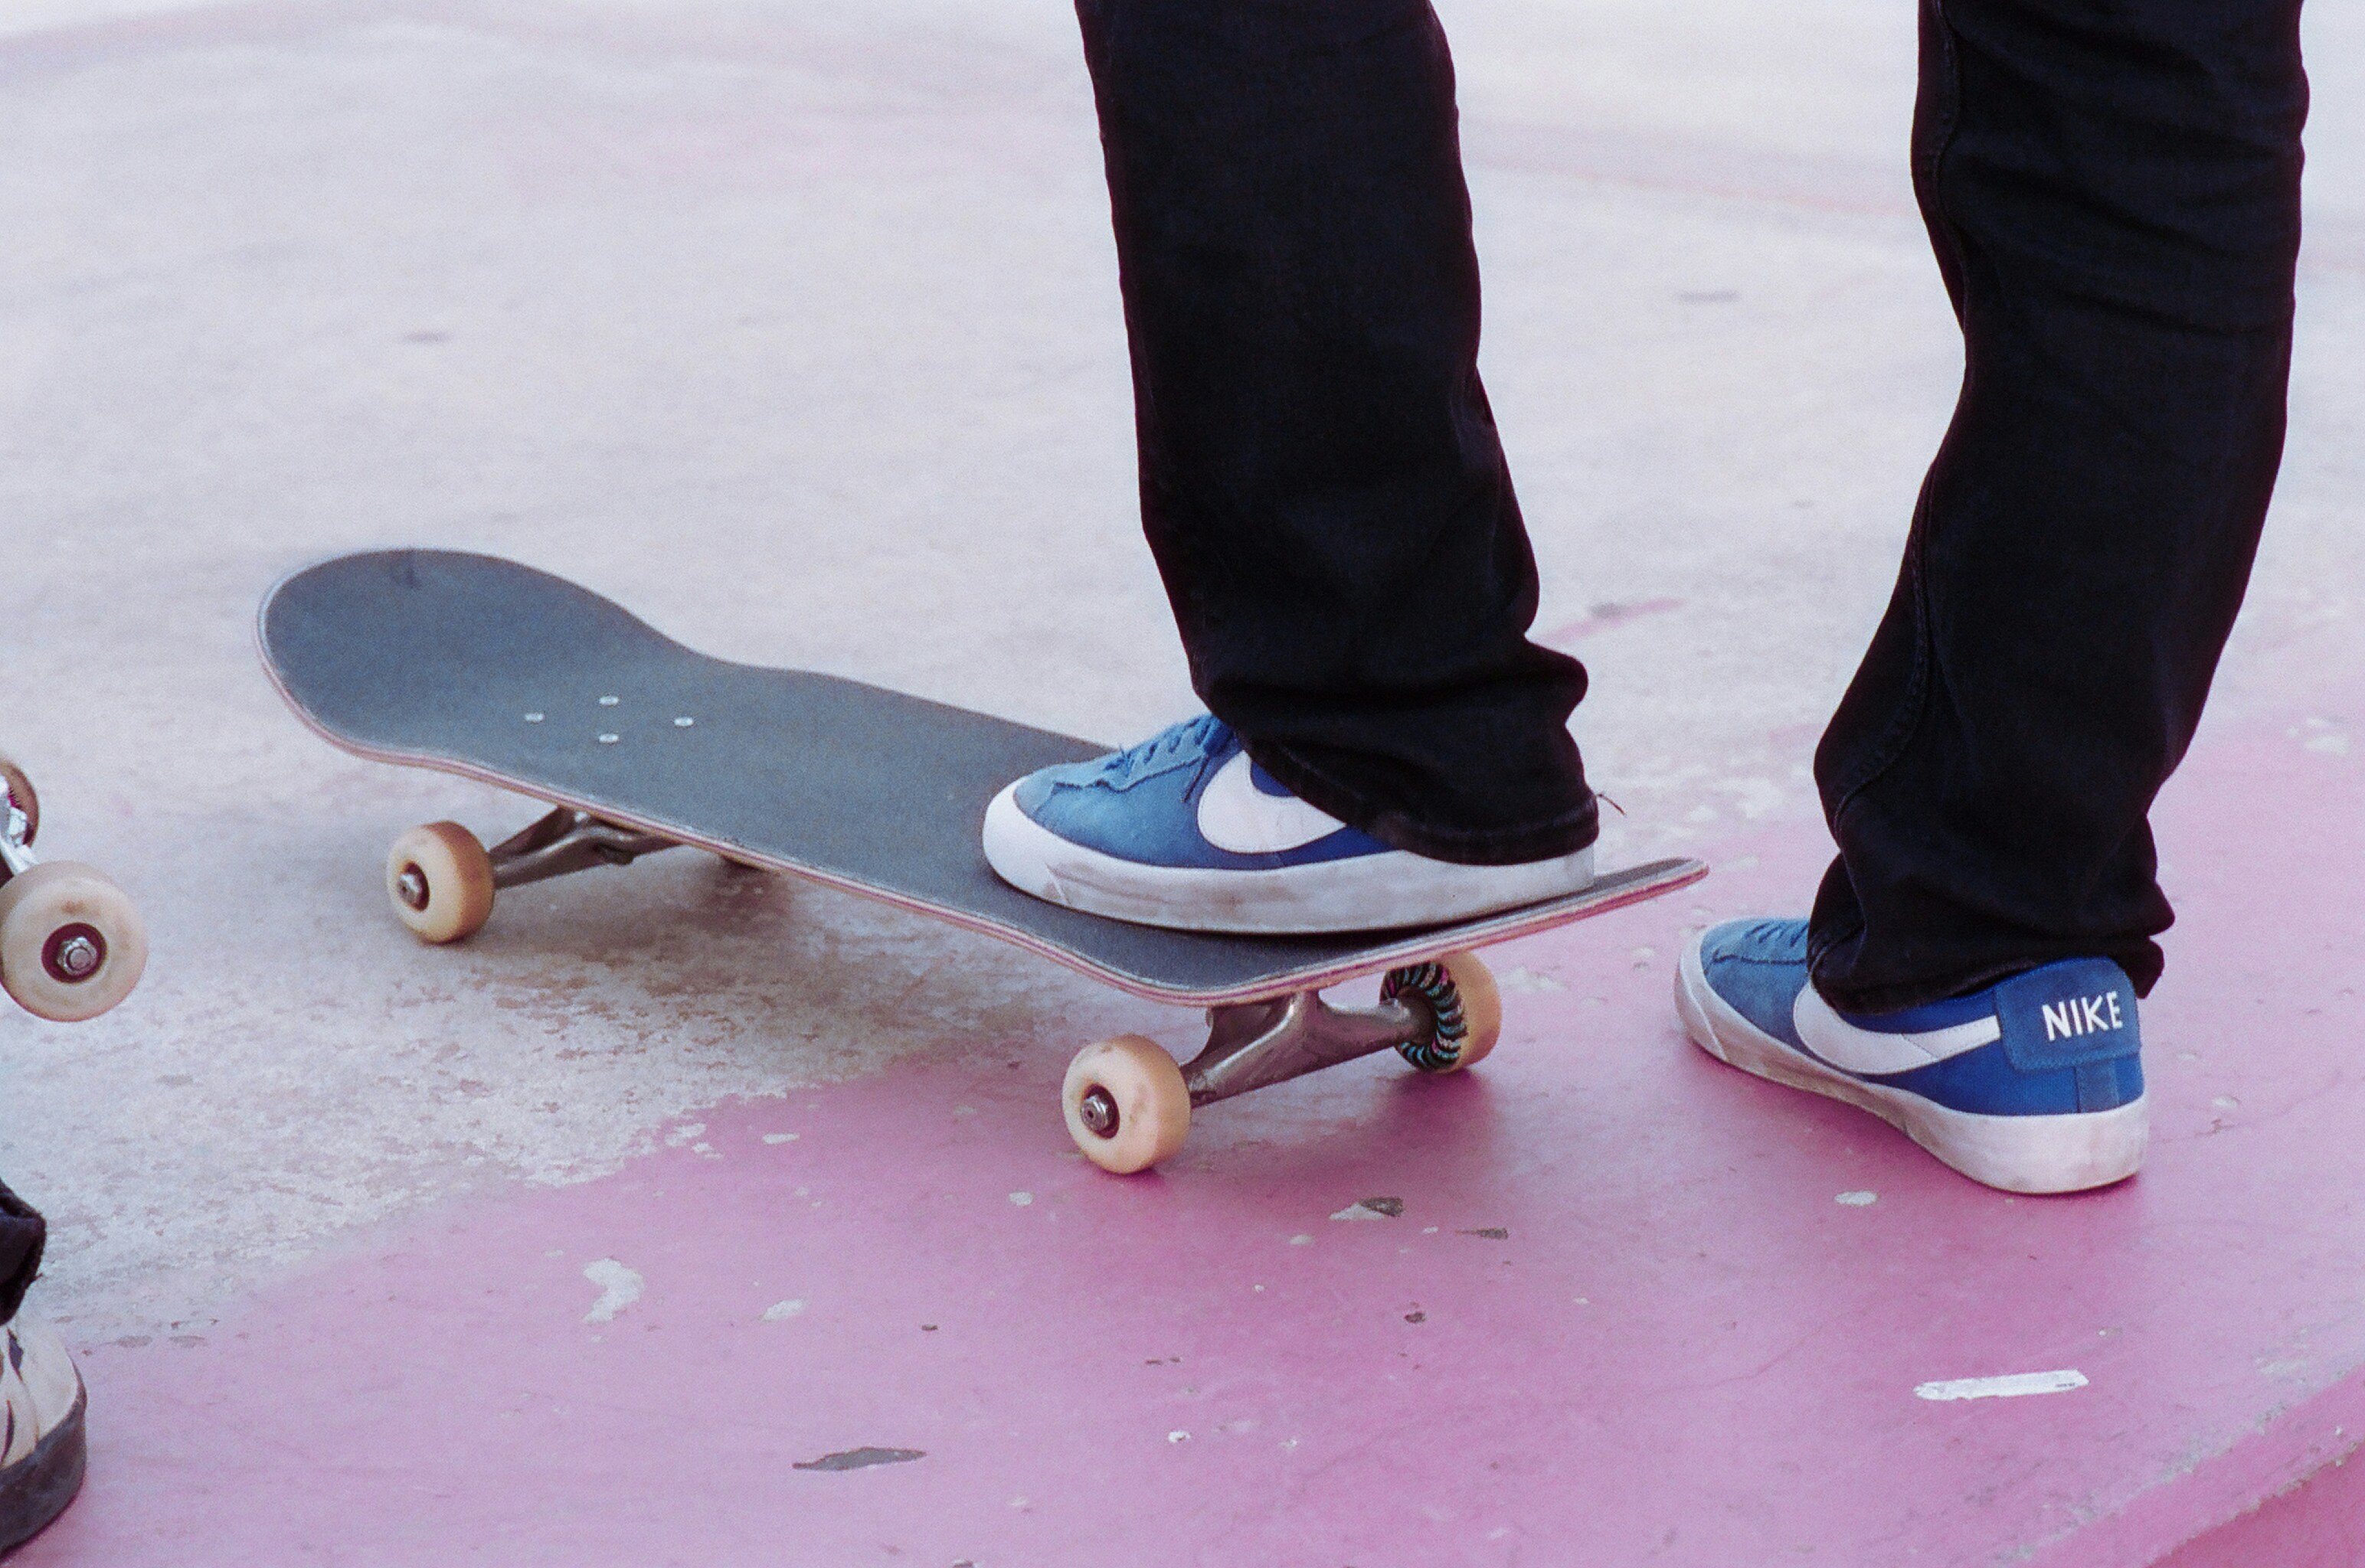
[[1185, 831], [2033, 1085]]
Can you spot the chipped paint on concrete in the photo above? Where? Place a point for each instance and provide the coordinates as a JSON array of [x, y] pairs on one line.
[[1372, 1208], [618, 1288], [2010, 1386]]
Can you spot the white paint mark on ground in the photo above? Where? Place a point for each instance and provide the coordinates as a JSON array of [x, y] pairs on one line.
[[780, 1138], [1022, 1199], [1857, 1200], [618, 1288], [2012, 1385], [1301, 1240], [1372, 1208], [2326, 737], [781, 1311], [1753, 797], [1527, 981], [1177, 1436]]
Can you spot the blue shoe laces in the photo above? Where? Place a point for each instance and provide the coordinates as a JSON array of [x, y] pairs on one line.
[[1202, 734]]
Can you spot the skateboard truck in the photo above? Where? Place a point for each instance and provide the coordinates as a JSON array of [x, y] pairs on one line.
[[567, 841], [72, 945], [1129, 1104], [1253, 1045]]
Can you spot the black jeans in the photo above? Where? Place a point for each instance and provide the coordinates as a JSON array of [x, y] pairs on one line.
[[2112, 189]]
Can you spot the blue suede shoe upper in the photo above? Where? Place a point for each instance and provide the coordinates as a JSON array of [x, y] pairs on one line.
[[2069, 1038], [1759, 967], [1142, 804]]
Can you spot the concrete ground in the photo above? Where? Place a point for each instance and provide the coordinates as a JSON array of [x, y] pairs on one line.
[[795, 329]]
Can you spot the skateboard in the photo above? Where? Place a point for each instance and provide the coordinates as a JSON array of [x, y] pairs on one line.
[[497, 672], [72, 945]]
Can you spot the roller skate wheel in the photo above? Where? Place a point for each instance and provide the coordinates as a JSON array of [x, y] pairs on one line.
[[1128, 1107], [71, 943], [441, 881], [1460, 991]]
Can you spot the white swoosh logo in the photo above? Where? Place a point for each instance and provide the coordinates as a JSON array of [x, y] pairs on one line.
[[1235, 815], [1867, 1051]]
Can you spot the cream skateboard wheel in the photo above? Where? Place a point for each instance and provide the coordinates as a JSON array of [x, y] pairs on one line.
[[1128, 1107], [441, 881], [20, 790], [71, 943], [1459, 992]]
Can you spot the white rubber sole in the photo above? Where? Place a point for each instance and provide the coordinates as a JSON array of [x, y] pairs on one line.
[[1370, 892], [2068, 1153]]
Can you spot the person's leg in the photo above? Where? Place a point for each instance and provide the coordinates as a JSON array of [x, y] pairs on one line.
[[2114, 194], [1321, 481]]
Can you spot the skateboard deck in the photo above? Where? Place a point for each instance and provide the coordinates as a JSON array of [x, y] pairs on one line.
[[495, 671]]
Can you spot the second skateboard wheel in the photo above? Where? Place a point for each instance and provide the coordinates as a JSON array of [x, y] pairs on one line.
[[1461, 994], [71, 943], [1127, 1105], [441, 881]]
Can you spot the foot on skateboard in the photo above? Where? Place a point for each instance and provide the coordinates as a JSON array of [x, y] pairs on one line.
[[1185, 831]]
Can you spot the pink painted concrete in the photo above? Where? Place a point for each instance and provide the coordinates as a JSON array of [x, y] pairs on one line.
[[1685, 1351], [2316, 1524]]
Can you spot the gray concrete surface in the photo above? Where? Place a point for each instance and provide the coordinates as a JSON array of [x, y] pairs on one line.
[[795, 327]]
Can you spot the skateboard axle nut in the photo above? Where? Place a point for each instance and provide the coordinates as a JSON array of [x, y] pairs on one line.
[[412, 886], [1098, 1111], [74, 953]]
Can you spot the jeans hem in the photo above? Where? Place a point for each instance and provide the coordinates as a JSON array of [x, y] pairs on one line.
[[1563, 835]]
